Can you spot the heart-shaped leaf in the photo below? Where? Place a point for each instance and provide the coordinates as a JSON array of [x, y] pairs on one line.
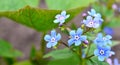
[[39, 19], [67, 4]]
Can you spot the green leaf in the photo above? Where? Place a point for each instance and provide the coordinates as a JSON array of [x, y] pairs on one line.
[[33, 52], [67, 4], [6, 50], [91, 49], [10, 5], [67, 61], [114, 43], [97, 62], [114, 22], [60, 54], [39, 19], [23, 63]]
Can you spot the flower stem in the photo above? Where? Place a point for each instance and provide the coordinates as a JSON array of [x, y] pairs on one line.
[[89, 56], [42, 46], [88, 49], [64, 44]]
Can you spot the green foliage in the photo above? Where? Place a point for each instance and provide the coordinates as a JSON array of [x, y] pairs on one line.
[[33, 52], [114, 43], [23, 63], [67, 4], [39, 19], [67, 61], [10, 5], [63, 57], [6, 50], [95, 61], [114, 22], [60, 54]]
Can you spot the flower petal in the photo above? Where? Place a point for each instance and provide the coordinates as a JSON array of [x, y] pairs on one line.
[[77, 43], [62, 21], [116, 61], [83, 38], [53, 44], [63, 13], [47, 38], [101, 58], [79, 31], [72, 33], [49, 45], [56, 21], [96, 25], [92, 12], [109, 42], [99, 35], [58, 37], [53, 33], [108, 36], [89, 18], [67, 16], [57, 16], [70, 42], [96, 52]]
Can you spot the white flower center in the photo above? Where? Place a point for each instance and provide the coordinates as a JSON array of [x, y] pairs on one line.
[[77, 37], [104, 38], [61, 17], [91, 23], [101, 52], [52, 39]]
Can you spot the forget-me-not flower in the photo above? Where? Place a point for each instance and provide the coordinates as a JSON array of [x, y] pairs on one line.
[[53, 39], [102, 41], [116, 62], [92, 22], [102, 52], [95, 15], [108, 30], [76, 37], [60, 18]]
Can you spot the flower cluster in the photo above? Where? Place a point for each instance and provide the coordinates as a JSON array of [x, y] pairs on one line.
[[103, 49], [93, 20]]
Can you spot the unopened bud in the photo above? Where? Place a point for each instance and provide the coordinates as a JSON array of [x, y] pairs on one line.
[[86, 42]]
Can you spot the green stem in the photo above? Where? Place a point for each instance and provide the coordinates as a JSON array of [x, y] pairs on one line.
[[89, 56], [66, 45], [42, 46], [88, 49]]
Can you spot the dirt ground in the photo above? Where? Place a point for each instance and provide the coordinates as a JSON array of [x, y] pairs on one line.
[[22, 37]]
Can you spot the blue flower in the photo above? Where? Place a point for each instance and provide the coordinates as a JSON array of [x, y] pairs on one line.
[[92, 22], [100, 40], [53, 39], [94, 14], [116, 61], [60, 18], [108, 30], [102, 52], [76, 37]]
